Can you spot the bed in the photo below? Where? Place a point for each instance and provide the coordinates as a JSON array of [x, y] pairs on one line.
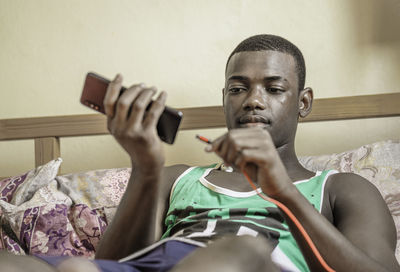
[[46, 212]]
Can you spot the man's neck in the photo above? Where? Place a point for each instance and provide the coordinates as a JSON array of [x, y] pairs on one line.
[[293, 167]]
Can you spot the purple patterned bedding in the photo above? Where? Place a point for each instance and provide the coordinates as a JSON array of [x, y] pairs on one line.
[[45, 214], [42, 214]]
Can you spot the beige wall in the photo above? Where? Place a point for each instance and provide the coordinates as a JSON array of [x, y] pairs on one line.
[[351, 47]]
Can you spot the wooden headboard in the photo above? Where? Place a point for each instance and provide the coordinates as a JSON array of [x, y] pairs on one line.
[[47, 131]]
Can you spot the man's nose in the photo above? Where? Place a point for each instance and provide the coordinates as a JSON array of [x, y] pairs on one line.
[[255, 99]]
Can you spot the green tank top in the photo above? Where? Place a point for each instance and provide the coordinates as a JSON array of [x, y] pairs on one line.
[[202, 211]]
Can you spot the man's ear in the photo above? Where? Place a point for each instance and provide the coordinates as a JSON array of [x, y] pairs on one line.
[[306, 97]]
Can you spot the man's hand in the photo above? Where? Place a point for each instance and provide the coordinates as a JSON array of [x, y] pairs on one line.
[[133, 127], [252, 151]]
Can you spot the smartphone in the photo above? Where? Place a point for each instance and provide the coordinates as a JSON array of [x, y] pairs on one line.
[[94, 91]]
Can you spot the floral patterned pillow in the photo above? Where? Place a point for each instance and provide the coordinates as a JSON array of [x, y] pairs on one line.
[[15, 194], [377, 162], [45, 214]]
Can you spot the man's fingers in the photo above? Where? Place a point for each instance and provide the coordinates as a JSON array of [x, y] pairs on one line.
[[155, 110], [229, 146], [126, 101], [231, 155], [216, 145], [112, 95], [139, 106], [249, 160], [223, 150]]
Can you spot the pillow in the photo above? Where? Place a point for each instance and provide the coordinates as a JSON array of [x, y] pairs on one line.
[[377, 162], [16, 195], [45, 214], [99, 190]]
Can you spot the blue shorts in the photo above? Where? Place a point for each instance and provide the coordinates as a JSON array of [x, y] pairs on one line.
[[161, 258]]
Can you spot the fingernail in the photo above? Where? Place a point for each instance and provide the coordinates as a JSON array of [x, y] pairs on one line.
[[208, 148]]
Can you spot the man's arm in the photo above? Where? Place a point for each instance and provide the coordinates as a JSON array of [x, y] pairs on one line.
[[133, 226], [363, 237], [134, 128], [363, 217], [139, 218], [359, 231]]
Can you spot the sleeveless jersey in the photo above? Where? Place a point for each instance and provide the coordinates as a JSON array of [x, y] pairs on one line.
[[202, 211]]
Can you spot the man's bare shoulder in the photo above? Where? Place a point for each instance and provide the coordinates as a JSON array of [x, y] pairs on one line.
[[351, 185], [349, 189]]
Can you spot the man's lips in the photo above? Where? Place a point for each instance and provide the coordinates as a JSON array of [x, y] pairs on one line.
[[254, 119]]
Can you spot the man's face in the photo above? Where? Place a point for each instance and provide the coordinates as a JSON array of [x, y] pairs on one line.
[[261, 89]]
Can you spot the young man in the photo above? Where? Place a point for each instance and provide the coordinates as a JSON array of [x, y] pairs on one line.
[[263, 98]]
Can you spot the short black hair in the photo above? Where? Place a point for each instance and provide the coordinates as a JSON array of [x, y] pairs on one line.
[[265, 42]]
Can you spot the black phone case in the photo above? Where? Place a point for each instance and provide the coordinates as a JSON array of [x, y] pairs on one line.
[[94, 91]]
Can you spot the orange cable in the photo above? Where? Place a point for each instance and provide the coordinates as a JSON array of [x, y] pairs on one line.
[[288, 213], [296, 222]]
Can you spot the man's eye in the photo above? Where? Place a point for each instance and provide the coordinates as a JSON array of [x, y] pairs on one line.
[[275, 90], [236, 89]]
